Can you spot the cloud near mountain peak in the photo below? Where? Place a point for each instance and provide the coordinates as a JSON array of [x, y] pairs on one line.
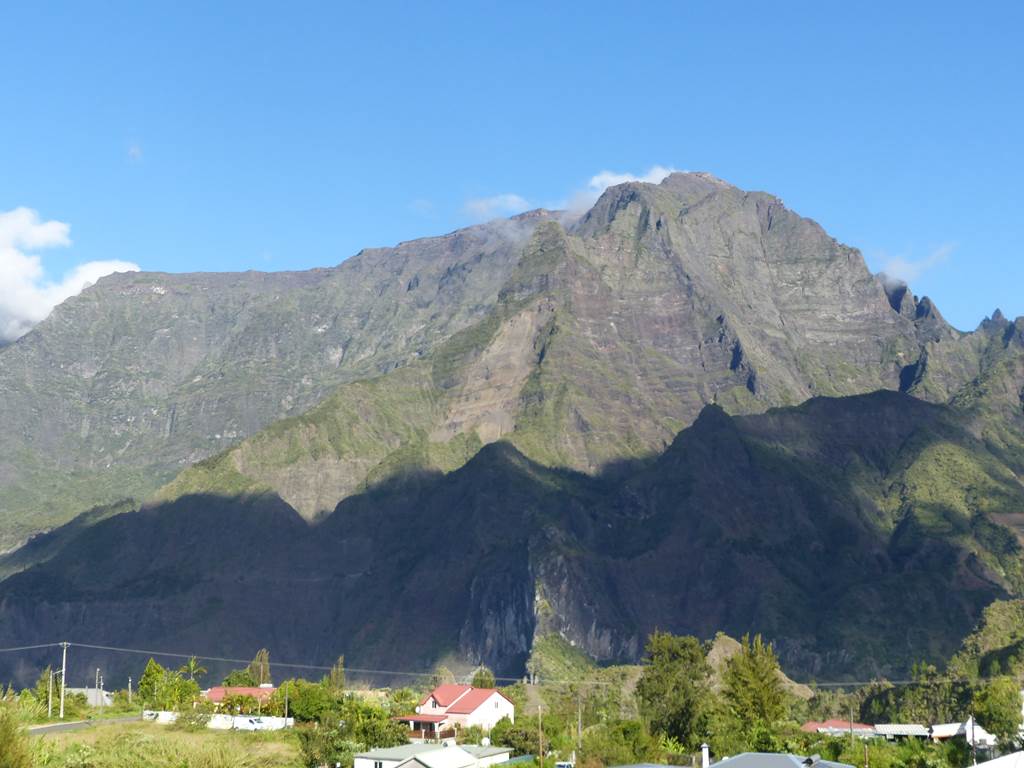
[[26, 296]]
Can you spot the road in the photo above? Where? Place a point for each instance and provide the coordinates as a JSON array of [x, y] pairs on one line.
[[77, 725]]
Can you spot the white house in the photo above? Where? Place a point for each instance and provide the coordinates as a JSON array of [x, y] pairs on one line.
[[432, 756], [968, 730], [452, 706]]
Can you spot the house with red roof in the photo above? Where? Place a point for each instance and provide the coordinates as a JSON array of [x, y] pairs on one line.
[[839, 728], [218, 693], [452, 706]]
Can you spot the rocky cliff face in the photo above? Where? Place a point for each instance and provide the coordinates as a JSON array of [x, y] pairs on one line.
[[608, 337], [144, 374]]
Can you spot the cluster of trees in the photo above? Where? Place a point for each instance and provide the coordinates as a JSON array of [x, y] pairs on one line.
[[745, 704], [680, 704], [169, 689]]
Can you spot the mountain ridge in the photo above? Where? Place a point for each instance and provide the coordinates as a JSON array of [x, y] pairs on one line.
[[688, 408]]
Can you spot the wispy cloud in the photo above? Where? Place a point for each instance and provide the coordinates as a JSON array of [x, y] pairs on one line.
[[135, 152], [26, 297], [506, 204], [509, 203], [903, 270], [583, 198]]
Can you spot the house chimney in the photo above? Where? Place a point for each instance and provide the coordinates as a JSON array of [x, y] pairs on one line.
[[705, 756]]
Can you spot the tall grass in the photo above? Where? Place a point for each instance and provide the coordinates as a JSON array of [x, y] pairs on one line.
[[15, 751], [143, 748]]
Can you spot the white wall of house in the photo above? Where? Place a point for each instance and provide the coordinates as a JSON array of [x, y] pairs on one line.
[[366, 762], [486, 762], [489, 713]]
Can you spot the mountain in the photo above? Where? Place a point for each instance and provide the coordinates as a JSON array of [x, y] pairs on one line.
[[688, 408], [609, 337], [816, 525], [613, 332], [143, 374]]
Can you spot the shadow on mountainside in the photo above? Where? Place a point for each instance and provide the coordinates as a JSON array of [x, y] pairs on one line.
[[815, 525]]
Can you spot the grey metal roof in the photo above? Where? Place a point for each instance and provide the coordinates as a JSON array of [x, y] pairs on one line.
[[767, 760], [478, 751], [403, 752]]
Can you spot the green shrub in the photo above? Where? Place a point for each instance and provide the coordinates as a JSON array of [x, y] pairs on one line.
[[15, 751]]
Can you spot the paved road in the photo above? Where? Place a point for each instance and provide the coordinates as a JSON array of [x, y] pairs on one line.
[[77, 725]]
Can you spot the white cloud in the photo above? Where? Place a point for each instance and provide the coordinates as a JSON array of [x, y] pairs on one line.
[[135, 152], [484, 208], [584, 198], [508, 204], [899, 269], [26, 297]]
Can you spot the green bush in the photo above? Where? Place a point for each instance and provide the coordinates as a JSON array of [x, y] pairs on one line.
[[15, 751]]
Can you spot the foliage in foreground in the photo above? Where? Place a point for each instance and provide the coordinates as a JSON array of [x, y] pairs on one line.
[[143, 748]]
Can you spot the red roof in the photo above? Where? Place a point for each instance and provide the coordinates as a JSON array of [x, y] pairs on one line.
[[446, 694], [473, 699], [813, 726], [219, 693], [422, 718]]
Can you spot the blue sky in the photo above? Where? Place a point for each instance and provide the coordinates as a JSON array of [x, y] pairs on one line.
[[231, 136]]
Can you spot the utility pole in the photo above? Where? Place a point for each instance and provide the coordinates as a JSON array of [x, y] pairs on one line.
[[129, 689], [974, 751], [102, 700], [866, 754], [96, 687], [49, 697], [63, 676], [286, 702]]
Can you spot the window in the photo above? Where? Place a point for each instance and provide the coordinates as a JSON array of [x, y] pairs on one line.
[[378, 764], [495, 703]]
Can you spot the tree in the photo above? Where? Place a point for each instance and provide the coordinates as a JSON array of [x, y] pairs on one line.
[[998, 709], [239, 678], [336, 677], [15, 750], [192, 668], [42, 690], [619, 743], [441, 676], [259, 667], [166, 689], [307, 702], [483, 677], [150, 682], [752, 684], [674, 689], [326, 746]]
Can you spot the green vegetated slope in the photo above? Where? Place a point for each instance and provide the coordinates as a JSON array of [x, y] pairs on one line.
[[805, 524], [144, 374], [997, 644]]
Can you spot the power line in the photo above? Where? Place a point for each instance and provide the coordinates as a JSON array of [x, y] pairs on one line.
[[410, 673], [30, 647], [357, 670]]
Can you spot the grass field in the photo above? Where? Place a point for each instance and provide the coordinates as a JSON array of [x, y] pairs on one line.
[[134, 745]]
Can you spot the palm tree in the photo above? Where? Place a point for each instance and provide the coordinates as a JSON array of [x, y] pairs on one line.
[[193, 668]]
